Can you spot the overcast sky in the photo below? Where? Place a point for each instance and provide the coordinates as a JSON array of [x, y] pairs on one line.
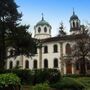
[[54, 12]]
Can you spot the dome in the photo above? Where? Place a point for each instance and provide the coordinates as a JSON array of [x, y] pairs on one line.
[[73, 17], [42, 22]]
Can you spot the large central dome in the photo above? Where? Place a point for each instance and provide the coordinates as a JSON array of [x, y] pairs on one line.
[[42, 22], [42, 29]]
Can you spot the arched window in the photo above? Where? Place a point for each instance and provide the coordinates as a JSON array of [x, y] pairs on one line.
[[55, 48], [73, 24], [68, 49], [17, 63], [55, 63], [45, 49], [39, 29], [35, 64], [26, 64], [11, 64], [45, 29], [45, 63]]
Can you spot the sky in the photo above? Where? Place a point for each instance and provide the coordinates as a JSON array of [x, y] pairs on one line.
[[55, 12]]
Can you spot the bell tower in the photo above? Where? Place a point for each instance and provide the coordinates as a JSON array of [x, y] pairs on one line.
[[74, 24]]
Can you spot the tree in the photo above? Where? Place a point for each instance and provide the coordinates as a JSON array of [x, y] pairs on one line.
[[12, 33], [81, 49], [61, 30]]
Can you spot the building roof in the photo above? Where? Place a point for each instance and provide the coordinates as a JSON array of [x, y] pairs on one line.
[[62, 38], [74, 16], [42, 22]]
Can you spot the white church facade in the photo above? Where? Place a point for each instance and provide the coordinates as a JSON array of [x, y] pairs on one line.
[[53, 51]]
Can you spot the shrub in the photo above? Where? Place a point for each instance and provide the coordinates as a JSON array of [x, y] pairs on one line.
[[36, 76], [9, 79], [53, 75], [46, 75], [24, 75], [68, 83], [41, 87]]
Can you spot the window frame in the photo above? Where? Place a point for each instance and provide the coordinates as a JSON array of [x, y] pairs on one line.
[[45, 63], [55, 48], [26, 64], [46, 49], [68, 49], [55, 65], [39, 29], [35, 64], [45, 29]]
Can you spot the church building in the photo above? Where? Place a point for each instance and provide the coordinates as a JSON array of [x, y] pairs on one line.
[[53, 52]]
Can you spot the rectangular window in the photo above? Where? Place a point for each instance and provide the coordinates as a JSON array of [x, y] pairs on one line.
[[45, 49]]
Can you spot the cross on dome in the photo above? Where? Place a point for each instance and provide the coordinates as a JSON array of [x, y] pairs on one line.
[[42, 16], [73, 12]]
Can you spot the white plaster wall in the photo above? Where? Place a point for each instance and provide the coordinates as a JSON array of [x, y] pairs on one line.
[[42, 34], [14, 60], [50, 56]]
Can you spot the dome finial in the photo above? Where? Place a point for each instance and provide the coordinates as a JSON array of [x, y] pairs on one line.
[[42, 17], [73, 12]]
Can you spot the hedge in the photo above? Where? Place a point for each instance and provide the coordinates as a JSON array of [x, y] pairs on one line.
[[24, 75], [9, 79], [36, 76], [68, 83], [44, 86], [46, 75]]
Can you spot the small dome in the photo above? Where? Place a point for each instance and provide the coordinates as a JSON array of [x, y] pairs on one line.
[[73, 17], [42, 22]]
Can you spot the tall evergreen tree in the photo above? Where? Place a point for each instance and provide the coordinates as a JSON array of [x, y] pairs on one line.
[[12, 33]]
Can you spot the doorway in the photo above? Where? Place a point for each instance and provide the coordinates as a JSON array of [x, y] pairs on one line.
[[68, 68]]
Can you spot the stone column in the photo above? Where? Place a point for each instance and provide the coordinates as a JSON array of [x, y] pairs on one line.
[[21, 65], [40, 56], [73, 68], [64, 68], [61, 58]]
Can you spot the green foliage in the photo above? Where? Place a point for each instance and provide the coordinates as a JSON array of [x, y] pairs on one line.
[[45, 75], [9, 79], [36, 76], [68, 83], [24, 75], [41, 87], [12, 33], [85, 81], [76, 75], [53, 75]]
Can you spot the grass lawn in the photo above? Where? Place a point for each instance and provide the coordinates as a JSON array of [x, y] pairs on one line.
[[85, 81]]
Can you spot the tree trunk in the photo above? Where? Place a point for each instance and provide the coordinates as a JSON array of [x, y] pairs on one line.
[[82, 67]]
